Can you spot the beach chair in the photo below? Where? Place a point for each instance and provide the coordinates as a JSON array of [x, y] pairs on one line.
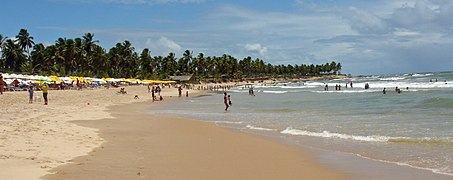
[[38, 98]]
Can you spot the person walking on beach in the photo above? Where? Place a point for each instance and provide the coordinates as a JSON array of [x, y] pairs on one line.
[[45, 89], [229, 100], [2, 84], [30, 92], [225, 101]]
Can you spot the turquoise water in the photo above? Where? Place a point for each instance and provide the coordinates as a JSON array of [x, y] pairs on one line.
[[412, 128]]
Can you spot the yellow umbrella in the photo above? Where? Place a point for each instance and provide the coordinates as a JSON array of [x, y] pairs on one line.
[[55, 78]]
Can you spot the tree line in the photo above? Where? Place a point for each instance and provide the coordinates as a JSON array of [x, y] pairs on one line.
[[84, 57]]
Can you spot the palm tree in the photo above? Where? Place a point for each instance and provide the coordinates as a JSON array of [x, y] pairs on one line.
[[2, 42], [88, 42], [2, 46], [81, 56], [13, 56], [25, 41], [38, 57], [145, 63]]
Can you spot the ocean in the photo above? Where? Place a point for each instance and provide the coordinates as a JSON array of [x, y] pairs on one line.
[[413, 128]]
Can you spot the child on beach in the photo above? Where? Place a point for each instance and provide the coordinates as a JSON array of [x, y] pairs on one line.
[[229, 100]]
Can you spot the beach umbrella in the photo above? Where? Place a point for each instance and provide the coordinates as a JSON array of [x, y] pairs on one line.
[[114, 80], [66, 80], [9, 81], [125, 80], [100, 81], [55, 78], [45, 79]]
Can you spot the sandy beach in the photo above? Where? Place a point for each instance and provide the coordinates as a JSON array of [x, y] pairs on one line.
[[113, 138]]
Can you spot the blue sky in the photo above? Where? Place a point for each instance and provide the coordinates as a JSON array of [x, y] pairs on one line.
[[366, 36]]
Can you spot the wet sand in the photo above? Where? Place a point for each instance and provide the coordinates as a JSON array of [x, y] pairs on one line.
[[143, 146]]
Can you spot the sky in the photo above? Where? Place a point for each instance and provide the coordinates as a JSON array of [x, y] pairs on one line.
[[367, 37]]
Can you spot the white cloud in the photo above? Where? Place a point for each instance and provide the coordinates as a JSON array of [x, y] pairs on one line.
[[403, 32], [366, 22], [257, 48], [367, 37], [152, 1], [162, 46], [171, 45]]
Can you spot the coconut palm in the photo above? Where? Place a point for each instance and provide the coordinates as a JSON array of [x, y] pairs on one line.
[[2, 42], [89, 42], [25, 41], [13, 56], [38, 57], [81, 56]]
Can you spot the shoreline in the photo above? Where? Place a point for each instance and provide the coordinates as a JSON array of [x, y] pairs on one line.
[[342, 161], [173, 148], [37, 158]]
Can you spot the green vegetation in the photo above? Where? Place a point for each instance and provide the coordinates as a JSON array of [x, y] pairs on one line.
[[83, 57]]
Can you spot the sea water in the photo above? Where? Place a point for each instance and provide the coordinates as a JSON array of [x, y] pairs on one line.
[[413, 128]]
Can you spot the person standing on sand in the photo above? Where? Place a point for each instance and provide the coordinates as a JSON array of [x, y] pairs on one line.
[[2, 83], [30, 92], [180, 91], [225, 101], [45, 89]]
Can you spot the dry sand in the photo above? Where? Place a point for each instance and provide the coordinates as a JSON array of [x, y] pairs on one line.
[[37, 139]]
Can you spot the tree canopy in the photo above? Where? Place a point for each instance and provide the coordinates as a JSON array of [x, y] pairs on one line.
[[84, 57]]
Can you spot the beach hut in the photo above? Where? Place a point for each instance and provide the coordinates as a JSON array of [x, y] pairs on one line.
[[182, 78]]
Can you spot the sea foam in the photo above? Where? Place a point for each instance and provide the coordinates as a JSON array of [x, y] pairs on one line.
[[327, 134], [259, 128]]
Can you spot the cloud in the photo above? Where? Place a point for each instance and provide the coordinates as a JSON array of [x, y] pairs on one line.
[[152, 1], [132, 2], [256, 48], [162, 46], [367, 37], [365, 22]]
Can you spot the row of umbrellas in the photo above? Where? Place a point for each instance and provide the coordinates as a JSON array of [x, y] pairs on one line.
[[37, 79]]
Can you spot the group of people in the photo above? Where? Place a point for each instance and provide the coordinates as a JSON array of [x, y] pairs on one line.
[[153, 90], [45, 91], [338, 86], [31, 91]]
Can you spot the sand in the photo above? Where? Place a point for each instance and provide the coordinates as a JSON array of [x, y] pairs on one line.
[[35, 138], [113, 138], [143, 146]]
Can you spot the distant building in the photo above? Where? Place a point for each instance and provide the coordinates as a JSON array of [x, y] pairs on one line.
[[182, 78]]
